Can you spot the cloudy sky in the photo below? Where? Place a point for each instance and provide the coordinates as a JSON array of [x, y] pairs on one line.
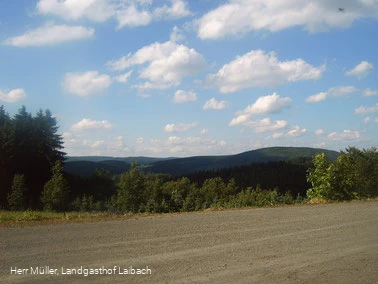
[[186, 77]]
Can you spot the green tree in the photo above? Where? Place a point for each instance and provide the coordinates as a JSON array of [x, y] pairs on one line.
[[131, 189], [16, 197], [319, 177], [56, 190]]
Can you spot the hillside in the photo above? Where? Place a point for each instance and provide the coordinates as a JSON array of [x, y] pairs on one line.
[[188, 165], [85, 166]]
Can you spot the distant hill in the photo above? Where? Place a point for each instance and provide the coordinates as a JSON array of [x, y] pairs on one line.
[[182, 166], [85, 166]]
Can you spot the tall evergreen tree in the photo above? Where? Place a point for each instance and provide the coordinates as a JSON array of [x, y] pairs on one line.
[[28, 145]]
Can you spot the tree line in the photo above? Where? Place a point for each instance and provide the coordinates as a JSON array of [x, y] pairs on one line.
[[32, 177], [29, 149]]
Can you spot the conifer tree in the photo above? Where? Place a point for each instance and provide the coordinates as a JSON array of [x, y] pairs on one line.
[[55, 192]]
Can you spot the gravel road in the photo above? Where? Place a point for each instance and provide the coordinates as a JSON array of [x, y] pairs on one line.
[[332, 243]]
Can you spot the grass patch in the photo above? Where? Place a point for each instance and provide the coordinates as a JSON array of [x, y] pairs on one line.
[[9, 218]]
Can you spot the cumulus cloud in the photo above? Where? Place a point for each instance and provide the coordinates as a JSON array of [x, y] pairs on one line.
[[335, 91], [360, 70], [129, 13], [366, 110], [50, 34], [317, 98], [12, 96], [168, 63], [184, 96], [87, 83], [268, 104], [132, 17], [178, 9], [263, 105], [86, 124], [259, 125], [368, 92], [237, 17], [259, 69], [296, 131], [214, 104], [180, 127], [345, 135], [95, 10]]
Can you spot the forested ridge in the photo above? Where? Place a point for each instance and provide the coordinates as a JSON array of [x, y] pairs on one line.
[[32, 177]]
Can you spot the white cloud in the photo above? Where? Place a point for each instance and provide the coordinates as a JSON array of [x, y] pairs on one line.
[[123, 78], [335, 91], [184, 96], [185, 146], [50, 34], [95, 10], [360, 70], [317, 98], [268, 104], [237, 17], [178, 9], [204, 131], [168, 64], [176, 35], [214, 104], [140, 140], [367, 119], [376, 120], [366, 110], [296, 131], [93, 144], [342, 91], [320, 131], [259, 125], [129, 13], [132, 17], [368, 92], [87, 83], [12, 96], [259, 69], [86, 124], [345, 135], [180, 127]]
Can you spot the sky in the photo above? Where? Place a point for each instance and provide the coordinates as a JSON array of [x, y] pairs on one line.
[[179, 78]]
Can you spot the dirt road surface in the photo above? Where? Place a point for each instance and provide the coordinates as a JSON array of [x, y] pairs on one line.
[[333, 243]]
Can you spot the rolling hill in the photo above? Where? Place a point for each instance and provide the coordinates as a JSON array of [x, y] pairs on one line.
[[85, 166]]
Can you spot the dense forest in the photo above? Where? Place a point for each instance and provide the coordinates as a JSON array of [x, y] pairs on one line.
[[32, 177]]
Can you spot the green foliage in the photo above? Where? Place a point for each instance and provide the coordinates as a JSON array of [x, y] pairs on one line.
[[29, 145], [353, 175], [56, 190], [319, 177], [131, 190], [16, 197]]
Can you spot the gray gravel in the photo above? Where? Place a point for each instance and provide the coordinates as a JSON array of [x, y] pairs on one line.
[[333, 243]]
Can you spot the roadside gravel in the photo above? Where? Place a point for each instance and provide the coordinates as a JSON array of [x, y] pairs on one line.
[[331, 243]]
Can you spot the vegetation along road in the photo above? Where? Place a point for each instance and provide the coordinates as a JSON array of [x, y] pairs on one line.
[[331, 243]]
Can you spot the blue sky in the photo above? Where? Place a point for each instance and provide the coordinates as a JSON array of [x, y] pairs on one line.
[[183, 78]]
